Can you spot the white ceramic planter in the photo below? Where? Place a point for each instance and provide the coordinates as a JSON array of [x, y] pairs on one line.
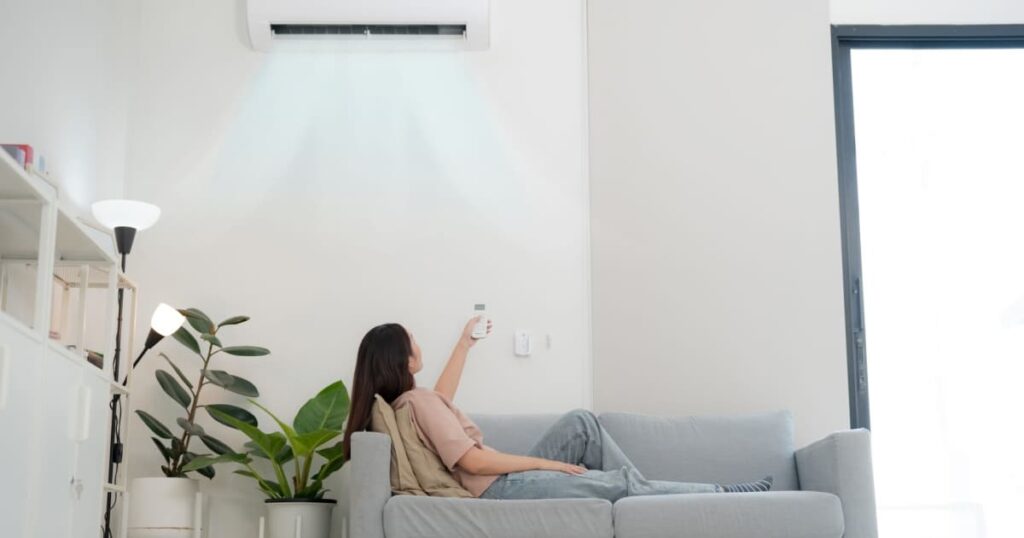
[[295, 519], [162, 507]]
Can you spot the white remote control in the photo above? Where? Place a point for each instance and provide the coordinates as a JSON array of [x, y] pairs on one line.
[[480, 330]]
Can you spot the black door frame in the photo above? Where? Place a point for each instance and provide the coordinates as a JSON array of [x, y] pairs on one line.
[[845, 38]]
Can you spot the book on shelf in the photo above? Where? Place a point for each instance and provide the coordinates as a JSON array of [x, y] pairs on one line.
[[23, 154]]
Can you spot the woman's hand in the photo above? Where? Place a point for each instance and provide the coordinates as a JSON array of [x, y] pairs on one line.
[[561, 466], [467, 332]]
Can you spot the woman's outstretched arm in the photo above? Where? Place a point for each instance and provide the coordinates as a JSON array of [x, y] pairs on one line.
[[448, 383], [490, 462]]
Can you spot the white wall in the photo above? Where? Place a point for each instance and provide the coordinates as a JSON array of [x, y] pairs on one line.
[[323, 194], [66, 80], [717, 277], [927, 11]]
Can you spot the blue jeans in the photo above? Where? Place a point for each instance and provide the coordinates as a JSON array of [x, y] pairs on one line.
[[578, 438]]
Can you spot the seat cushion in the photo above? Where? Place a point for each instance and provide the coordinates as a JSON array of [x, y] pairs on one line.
[[708, 449], [427, 517], [784, 514]]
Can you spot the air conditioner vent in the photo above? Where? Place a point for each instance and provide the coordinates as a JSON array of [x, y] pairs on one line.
[[368, 30]]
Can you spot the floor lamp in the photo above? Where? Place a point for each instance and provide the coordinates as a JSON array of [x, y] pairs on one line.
[[125, 218]]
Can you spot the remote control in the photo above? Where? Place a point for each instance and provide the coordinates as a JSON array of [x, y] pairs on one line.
[[480, 330]]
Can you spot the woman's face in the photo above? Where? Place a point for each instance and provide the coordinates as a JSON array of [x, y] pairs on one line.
[[416, 359]]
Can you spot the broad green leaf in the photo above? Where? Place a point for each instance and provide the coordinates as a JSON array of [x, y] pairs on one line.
[[246, 351], [164, 451], [216, 445], [204, 470], [178, 371], [234, 411], [284, 456], [307, 443], [234, 320], [232, 383], [332, 452], [205, 460], [298, 445], [269, 487], [270, 444], [190, 427], [211, 339], [182, 335], [325, 411], [335, 456], [173, 388], [154, 425], [198, 320]]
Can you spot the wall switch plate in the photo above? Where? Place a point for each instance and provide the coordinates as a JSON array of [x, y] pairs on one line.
[[523, 344]]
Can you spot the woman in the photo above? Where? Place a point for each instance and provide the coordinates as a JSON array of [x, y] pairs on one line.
[[575, 458]]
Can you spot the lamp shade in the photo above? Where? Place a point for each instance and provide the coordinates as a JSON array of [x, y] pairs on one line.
[[125, 214], [166, 320]]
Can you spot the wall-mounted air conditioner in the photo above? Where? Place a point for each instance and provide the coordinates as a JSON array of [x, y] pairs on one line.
[[369, 24]]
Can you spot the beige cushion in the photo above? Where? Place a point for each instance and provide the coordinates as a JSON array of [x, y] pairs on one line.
[[403, 479], [430, 471]]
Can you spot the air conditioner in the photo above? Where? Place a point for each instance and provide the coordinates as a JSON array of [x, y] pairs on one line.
[[369, 24]]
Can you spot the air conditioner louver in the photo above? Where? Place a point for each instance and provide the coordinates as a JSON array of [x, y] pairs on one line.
[[324, 25], [427, 30]]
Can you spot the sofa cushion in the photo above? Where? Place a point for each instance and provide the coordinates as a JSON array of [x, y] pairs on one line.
[[427, 517], [513, 434], [784, 514], [708, 449]]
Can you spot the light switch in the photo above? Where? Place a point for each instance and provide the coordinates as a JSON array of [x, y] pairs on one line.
[[523, 345]]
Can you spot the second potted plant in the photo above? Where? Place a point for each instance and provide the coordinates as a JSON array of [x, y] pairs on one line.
[[296, 507]]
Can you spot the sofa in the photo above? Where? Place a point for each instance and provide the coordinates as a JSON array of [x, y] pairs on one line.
[[824, 490]]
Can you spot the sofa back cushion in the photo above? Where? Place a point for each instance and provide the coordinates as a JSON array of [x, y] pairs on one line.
[[513, 434], [708, 449]]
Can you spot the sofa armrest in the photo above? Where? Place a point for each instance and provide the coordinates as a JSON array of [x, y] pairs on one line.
[[841, 464], [366, 485]]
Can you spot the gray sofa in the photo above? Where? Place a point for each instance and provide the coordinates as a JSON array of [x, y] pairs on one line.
[[824, 490]]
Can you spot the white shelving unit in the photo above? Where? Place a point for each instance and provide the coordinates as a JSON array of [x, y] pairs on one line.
[[58, 282]]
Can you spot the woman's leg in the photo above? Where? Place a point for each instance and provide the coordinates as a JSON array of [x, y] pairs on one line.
[[609, 485], [578, 438]]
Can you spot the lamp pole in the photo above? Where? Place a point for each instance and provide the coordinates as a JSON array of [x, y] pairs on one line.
[[125, 218]]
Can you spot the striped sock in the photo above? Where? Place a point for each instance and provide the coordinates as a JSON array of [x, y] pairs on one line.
[[764, 484]]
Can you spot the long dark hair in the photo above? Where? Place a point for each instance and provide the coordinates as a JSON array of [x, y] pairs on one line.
[[382, 367]]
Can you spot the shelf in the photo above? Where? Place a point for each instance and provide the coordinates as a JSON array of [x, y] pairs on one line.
[[18, 184], [76, 244]]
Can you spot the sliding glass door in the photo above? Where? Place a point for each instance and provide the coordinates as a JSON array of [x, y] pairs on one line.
[[931, 140]]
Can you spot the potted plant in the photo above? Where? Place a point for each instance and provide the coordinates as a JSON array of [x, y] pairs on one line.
[[296, 507], [168, 502]]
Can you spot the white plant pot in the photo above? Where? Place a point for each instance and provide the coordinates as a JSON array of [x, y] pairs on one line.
[[299, 519], [162, 507]]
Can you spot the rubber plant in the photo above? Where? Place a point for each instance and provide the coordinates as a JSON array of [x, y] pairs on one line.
[[177, 448], [302, 443]]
